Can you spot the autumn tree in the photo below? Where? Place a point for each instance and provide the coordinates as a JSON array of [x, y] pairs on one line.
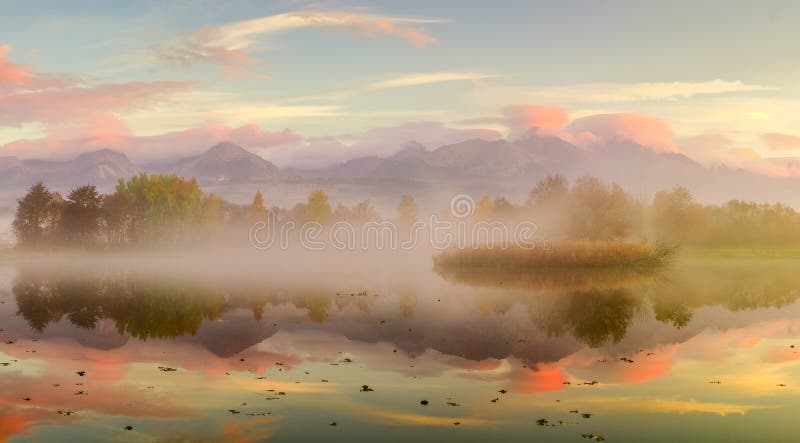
[[599, 212], [503, 209], [484, 209], [364, 212], [213, 212], [672, 212], [550, 193], [407, 210], [341, 213], [257, 211], [318, 209]]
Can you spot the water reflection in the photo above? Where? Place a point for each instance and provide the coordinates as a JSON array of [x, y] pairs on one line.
[[614, 344]]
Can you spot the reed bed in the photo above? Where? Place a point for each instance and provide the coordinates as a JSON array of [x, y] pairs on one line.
[[572, 254]]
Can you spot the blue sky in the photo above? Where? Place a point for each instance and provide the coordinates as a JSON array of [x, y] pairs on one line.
[[708, 70]]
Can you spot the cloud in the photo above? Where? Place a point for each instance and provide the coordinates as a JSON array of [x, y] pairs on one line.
[[10, 73], [518, 119], [781, 142], [16, 77], [228, 45], [649, 91], [672, 405], [642, 129], [426, 79], [75, 102], [55, 100], [719, 149], [546, 119], [402, 81]]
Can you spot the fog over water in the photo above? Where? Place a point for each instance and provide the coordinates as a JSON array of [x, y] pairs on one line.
[[293, 337]]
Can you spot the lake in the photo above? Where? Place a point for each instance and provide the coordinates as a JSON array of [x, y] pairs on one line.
[[170, 349]]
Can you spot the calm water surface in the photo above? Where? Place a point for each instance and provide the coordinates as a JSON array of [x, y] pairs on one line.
[[702, 352]]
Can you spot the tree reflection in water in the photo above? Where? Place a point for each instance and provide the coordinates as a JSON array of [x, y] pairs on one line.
[[596, 307]]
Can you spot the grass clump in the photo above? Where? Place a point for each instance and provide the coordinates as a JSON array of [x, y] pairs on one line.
[[568, 254]]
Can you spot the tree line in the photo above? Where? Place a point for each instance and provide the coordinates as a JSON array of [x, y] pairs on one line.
[[167, 209], [162, 209]]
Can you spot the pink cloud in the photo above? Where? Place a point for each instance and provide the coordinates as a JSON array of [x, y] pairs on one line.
[[781, 354], [65, 105], [519, 119], [17, 77], [781, 142], [10, 73], [545, 377], [642, 129], [228, 45], [546, 119], [369, 28]]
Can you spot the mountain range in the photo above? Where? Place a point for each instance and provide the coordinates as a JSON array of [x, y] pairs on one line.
[[490, 167]]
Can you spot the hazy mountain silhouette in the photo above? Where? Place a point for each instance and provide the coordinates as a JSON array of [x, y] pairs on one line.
[[227, 162], [490, 167], [97, 167]]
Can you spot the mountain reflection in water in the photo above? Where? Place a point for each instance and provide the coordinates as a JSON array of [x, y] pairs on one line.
[[703, 345]]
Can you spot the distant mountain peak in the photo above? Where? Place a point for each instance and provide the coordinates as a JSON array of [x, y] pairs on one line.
[[228, 150], [227, 162], [102, 155]]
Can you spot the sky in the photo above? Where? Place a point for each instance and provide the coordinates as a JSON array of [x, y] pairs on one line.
[[305, 83]]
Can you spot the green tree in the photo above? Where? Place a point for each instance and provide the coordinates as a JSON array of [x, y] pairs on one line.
[[162, 206], [115, 218], [82, 212], [37, 218]]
